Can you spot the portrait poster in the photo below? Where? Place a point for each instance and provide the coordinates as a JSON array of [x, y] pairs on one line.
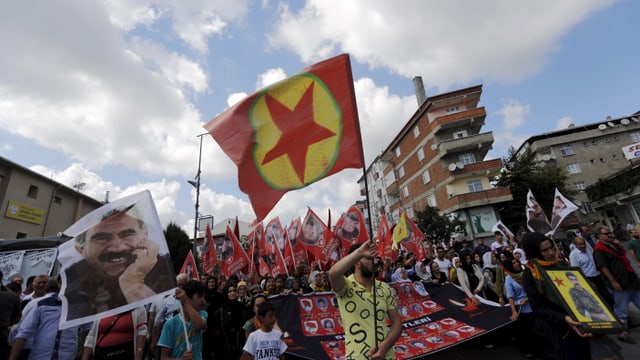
[[537, 220], [10, 264], [562, 207], [499, 226], [100, 265], [581, 301], [482, 219]]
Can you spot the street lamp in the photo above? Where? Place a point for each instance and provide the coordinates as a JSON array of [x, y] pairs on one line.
[[196, 184]]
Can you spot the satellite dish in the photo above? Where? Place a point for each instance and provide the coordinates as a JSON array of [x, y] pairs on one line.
[[611, 124], [602, 127], [546, 158], [452, 167], [434, 147], [460, 165], [624, 121], [635, 119]]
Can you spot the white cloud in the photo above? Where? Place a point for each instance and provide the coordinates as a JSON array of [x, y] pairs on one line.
[[269, 77], [445, 44], [515, 114], [564, 123]]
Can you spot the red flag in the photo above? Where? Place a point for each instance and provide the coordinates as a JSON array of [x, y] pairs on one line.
[[350, 229], [232, 258], [270, 248], [318, 239], [385, 240], [208, 257], [189, 267], [263, 269], [254, 239], [292, 133], [299, 250]]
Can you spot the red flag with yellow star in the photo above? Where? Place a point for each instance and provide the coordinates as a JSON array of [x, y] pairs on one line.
[[292, 133]]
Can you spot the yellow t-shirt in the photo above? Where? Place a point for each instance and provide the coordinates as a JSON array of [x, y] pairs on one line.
[[356, 310]]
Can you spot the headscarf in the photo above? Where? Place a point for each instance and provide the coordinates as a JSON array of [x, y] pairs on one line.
[[397, 275], [523, 256], [423, 275], [486, 260], [531, 245]]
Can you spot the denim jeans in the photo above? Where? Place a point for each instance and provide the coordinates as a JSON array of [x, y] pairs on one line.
[[621, 303]]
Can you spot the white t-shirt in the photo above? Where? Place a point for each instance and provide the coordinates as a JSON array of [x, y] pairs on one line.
[[265, 345], [496, 245]]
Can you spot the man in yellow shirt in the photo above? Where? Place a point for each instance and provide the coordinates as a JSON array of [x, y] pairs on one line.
[[356, 300]]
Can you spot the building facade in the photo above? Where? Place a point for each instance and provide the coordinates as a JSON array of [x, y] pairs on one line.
[[36, 206], [592, 155], [438, 160]]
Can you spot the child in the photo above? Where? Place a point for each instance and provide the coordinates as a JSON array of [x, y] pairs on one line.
[[265, 343], [172, 342]]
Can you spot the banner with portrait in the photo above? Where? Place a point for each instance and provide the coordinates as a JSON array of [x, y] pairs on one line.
[[318, 239], [27, 263], [434, 318], [10, 265], [581, 301], [189, 267], [233, 258], [537, 220], [101, 265], [562, 207]]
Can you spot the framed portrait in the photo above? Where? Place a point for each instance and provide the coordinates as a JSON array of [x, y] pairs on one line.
[[581, 301]]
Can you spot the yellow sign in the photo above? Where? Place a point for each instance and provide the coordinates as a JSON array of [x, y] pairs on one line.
[[19, 211]]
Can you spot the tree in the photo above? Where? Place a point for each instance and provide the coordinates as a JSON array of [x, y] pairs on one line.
[[178, 243], [522, 173], [436, 226]]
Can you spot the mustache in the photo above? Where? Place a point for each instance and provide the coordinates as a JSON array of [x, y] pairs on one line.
[[127, 254]]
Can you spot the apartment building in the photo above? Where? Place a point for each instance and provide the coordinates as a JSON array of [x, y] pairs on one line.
[[438, 159], [593, 155], [36, 206]]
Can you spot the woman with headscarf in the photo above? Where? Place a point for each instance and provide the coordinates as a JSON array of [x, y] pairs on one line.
[[317, 283], [564, 340], [503, 254], [470, 278], [521, 256], [228, 336], [490, 262], [422, 271], [400, 275], [453, 272], [521, 312], [437, 276]]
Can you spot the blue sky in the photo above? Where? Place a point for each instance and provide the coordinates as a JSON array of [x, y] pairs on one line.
[[114, 93]]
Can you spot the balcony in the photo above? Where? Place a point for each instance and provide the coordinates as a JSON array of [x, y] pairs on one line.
[[479, 198], [470, 119], [481, 143], [481, 168]]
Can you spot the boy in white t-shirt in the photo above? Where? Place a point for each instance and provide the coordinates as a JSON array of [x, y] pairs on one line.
[[265, 343]]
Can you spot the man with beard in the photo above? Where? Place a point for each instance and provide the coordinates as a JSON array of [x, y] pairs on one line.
[[120, 266], [355, 295]]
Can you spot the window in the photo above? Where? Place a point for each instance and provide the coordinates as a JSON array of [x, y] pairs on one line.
[[398, 153], [33, 192], [409, 211], [453, 110], [57, 200], [566, 150], [376, 175], [21, 235], [420, 154], [401, 171], [460, 134], [580, 185], [431, 200], [573, 168], [635, 136], [426, 178], [474, 185], [405, 191], [416, 131], [467, 158]]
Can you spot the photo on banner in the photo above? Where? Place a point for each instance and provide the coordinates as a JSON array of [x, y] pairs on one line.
[[101, 265], [581, 301]]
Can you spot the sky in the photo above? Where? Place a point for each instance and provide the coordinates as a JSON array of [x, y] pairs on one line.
[[114, 93]]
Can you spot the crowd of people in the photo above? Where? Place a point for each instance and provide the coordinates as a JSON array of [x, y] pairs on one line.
[[232, 318]]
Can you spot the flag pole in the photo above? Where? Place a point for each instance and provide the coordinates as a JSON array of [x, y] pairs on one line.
[[366, 190]]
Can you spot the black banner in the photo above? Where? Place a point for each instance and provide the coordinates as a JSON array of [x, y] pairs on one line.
[[431, 322]]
